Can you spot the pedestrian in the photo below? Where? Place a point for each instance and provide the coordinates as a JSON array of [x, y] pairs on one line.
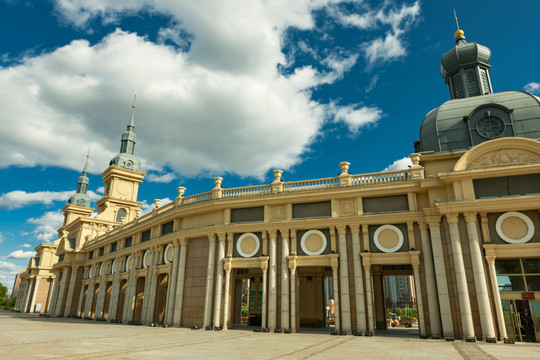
[[528, 326]]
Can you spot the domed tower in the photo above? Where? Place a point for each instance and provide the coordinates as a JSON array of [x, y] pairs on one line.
[[79, 204], [122, 178], [475, 114]]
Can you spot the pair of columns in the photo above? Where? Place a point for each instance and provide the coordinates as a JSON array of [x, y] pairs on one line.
[[436, 281]]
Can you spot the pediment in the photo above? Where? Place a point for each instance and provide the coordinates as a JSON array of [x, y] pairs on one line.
[[500, 152]]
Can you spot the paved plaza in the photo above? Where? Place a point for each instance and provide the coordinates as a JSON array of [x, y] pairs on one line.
[[26, 336]]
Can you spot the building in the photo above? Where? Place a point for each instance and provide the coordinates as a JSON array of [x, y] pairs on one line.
[[463, 221], [399, 291]]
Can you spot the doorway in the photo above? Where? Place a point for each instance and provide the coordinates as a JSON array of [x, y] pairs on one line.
[[161, 298], [248, 298], [514, 318], [94, 301], [139, 297], [108, 290], [121, 300], [316, 295]]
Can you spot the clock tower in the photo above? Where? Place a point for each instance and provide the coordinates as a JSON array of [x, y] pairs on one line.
[[122, 179]]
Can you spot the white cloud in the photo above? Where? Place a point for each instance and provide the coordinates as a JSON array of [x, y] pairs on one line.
[[7, 273], [165, 178], [18, 198], [146, 207], [1, 237], [47, 225], [391, 46], [533, 88], [19, 254], [25, 246], [400, 164], [200, 108]]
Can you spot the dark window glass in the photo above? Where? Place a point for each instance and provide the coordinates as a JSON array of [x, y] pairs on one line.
[[247, 214], [90, 255], [36, 259], [533, 282], [511, 283], [128, 241], [114, 246], [61, 258], [309, 210], [386, 204], [167, 228], [507, 186], [507, 266], [531, 266], [101, 251], [71, 243], [145, 236], [121, 213]]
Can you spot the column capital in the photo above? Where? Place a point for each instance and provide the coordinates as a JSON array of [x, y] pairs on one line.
[[292, 263], [272, 234], [452, 218], [470, 217], [490, 259], [341, 229], [264, 235], [227, 264], [366, 260], [284, 233], [355, 229], [334, 261], [433, 220], [264, 263], [222, 236], [230, 236], [212, 237], [422, 224], [184, 241]]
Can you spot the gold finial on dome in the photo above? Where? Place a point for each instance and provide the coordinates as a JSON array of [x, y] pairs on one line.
[[134, 98], [459, 32]]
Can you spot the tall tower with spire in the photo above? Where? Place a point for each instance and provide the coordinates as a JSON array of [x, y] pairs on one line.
[[122, 179], [79, 204]]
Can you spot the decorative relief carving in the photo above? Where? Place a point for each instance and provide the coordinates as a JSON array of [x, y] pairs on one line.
[[504, 157], [278, 212], [346, 207]]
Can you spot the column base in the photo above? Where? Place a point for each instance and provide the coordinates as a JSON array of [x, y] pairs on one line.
[[491, 339], [509, 341], [470, 338]]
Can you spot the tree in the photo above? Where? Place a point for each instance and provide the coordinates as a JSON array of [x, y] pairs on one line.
[[4, 301]]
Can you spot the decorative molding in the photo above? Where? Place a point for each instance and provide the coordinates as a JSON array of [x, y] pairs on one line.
[[346, 207], [278, 212], [503, 157]]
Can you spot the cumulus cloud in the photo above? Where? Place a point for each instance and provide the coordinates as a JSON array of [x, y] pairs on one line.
[[46, 225], [400, 164], [18, 198], [209, 91], [7, 273], [533, 88], [164, 178], [391, 45], [19, 254], [25, 246]]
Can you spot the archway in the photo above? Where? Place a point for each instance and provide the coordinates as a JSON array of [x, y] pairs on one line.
[[94, 301], [161, 298], [121, 300], [108, 290], [139, 297], [83, 305]]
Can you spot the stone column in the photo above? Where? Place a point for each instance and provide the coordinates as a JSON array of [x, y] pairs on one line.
[[272, 288], [227, 267], [334, 262], [177, 319], [70, 290], [358, 281], [440, 272], [115, 292], [129, 301], [101, 293], [284, 279], [27, 295], [89, 298], [60, 297], [497, 296], [264, 268], [484, 309], [431, 287], [461, 278], [419, 301], [52, 300], [171, 291], [207, 318], [80, 310], [292, 267], [34, 294], [344, 277], [367, 272], [153, 285], [219, 280]]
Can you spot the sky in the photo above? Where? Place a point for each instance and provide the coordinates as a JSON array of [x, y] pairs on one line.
[[232, 88]]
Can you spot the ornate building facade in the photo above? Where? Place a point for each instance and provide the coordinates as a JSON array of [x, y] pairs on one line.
[[463, 220]]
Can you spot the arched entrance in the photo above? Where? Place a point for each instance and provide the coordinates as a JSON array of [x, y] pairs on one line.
[[94, 301], [121, 300], [139, 297], [85, 296], [315, 294], [108, 290], [161, 298]]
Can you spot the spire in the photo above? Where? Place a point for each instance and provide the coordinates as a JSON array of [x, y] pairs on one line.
[[465, 68], [80, 197], [126, 157]]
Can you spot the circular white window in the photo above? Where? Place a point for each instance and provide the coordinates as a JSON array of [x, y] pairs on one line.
[[146, 259], [388, 238], [168, 254], [91, 272], [248, 245], [313, 242], [101, 269], [114, 266], [128, 263], [514, 227]]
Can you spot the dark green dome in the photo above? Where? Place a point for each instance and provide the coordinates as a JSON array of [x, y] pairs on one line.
[[461, 123]]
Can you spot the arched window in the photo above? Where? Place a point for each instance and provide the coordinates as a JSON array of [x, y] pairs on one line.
[[120, 214]]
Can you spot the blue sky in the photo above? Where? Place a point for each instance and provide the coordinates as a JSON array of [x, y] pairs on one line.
[[232, 89]]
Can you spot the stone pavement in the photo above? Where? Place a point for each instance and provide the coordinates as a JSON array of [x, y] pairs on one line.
[[27, 336]]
